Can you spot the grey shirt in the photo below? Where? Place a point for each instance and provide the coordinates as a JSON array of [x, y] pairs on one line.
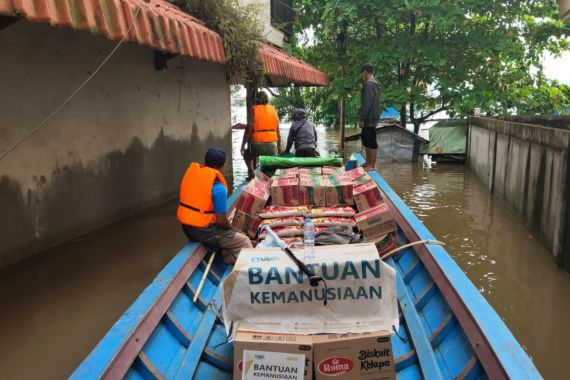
[[303, 132], [370, 103]]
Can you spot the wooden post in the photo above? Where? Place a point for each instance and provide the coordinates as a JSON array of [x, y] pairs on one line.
[[250, 92], [342, 105]]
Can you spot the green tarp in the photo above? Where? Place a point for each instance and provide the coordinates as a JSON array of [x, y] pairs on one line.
[[273, 162], [449, 137]]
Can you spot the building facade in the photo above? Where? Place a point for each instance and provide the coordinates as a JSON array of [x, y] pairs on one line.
[[120, 144]]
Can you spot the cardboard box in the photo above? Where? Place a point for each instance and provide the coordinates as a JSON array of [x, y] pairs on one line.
[[361, 180], [311, 171], [356, 173], [253, 198], [285, 192], [261, 177], [339, 193], [375, 233], [287, 173], [333, 170], [312, 191], [385, 243], [354, 356], [373, 217], [367, 196], [283, 343], [245, 223]]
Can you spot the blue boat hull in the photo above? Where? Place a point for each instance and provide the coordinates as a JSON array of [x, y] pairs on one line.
[[447, 329]]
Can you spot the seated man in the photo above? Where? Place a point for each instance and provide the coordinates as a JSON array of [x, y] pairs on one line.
[[304, 133], [203, 207]]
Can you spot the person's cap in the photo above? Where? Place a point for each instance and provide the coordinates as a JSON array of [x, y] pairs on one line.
[[215, 157]]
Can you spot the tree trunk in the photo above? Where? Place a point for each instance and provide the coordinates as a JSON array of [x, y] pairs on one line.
[[417, 128], [403, 116]]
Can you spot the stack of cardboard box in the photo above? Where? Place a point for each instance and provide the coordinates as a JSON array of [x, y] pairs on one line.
[[319, 357], [376, 222], [287, 173], [312, 190], [249, 204], [285, 191], [367, 196], [310, 171], [339, 191]]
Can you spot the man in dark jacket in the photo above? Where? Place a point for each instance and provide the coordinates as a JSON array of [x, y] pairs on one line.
[[304, 134], [369, 114]]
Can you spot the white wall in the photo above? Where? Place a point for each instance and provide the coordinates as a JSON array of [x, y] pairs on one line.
[[272, 34]]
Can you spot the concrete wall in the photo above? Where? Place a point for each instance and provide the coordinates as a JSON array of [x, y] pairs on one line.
[[120, 145], [271, 33], [528, 167]]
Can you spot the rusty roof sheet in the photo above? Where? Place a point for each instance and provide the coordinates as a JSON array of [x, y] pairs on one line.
[[154, 23]]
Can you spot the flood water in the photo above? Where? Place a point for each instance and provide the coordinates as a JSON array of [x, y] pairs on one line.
[[56, 306]]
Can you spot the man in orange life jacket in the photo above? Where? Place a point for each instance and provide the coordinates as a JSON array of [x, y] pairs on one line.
[[262, 135], [203, 207]]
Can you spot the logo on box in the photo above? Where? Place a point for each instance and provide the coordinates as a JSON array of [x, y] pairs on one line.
[[335, 366]]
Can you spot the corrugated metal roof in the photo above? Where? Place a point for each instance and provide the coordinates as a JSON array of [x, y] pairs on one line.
[[283, 69], [386, 127], [158, 24]]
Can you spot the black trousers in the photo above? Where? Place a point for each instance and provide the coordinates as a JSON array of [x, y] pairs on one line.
[[306, 152]]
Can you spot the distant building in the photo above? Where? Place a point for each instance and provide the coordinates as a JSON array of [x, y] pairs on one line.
[[395, 144], [276, 17], [564, 9]]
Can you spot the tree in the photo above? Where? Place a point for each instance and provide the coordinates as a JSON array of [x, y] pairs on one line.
[[434, 55]]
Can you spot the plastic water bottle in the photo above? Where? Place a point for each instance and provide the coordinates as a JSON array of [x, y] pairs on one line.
[[309, 239]]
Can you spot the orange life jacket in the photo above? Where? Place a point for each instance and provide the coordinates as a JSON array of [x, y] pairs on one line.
[[196, 207], [265, 124]]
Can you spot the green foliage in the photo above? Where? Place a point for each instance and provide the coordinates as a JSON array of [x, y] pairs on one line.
[[240, 32], [435, 55]]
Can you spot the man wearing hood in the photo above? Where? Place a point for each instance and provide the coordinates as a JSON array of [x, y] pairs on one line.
[[304, 134], [369, 114]]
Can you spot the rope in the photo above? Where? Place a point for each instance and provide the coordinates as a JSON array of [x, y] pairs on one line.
[[394, 251], [68, 99]]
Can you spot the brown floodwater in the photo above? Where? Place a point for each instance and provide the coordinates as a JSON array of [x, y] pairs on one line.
[[512, 270], [57, 305]]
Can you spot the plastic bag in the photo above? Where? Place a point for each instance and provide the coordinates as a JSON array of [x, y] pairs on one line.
[[337, 235], [334, 221], [283, 211], [283, 162], [282, 222], [341, 211]]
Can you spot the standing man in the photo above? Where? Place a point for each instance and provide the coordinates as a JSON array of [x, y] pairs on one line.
[[262, 135], [369, 114], [203, 207], [303, 133]]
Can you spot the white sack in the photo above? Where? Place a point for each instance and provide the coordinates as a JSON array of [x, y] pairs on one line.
[[267, 292]]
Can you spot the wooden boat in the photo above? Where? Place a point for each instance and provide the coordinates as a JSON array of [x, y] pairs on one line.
[[447, 329]]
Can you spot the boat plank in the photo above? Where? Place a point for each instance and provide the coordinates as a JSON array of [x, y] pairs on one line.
[[422, 345], [198, 344]]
